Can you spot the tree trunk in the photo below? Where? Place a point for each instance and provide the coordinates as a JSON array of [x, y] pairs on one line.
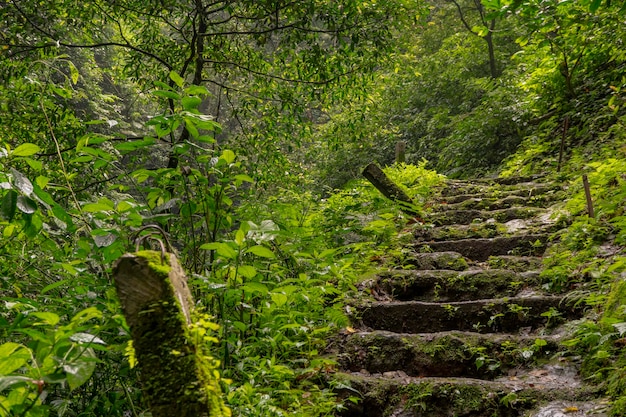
[[177, 378]]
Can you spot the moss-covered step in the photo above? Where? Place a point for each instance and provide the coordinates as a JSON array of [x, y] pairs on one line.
[[446, 285], [481, 249], [540, 192], [515, 263], [435, 260], [471, 355], [482, 203], [397, 394], [469, 216], [455, 187], [489, 315]]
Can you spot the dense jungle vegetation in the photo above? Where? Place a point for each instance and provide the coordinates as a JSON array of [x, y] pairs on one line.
[[241, 128]]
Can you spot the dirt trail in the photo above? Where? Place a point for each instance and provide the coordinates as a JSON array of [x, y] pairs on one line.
[[460, 326]]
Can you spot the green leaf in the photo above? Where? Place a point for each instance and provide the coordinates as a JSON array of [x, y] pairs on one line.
[[223, 249], [26, 149], [9, 205], [81, 337], [262, 251], [74, 74], [166, 94], [255, 287], [247, 271], [80, 370], [34, 164], [47, 317], [53, 286], [26, 205], [279, 299], [228, 156], [197, 90], [177, 79], [191, 103], [21, 182], [7, 381], [12, 357]]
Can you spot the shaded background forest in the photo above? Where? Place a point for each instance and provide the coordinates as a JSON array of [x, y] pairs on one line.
[[241, 128]]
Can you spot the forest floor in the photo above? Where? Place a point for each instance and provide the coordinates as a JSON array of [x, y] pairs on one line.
[[460, 324]]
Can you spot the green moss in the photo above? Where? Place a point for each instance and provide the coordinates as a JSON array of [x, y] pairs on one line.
[[616, 302], [157, 261]]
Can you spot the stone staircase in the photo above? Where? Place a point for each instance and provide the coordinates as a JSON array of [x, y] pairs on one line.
[[460, 326]]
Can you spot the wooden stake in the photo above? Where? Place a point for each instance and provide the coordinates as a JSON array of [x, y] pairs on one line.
[[565, 127], [400, 152], [590, 210], [388, 188], [177, 377]]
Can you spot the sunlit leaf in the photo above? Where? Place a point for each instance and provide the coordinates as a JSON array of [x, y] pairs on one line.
[[86, 338], [177, 78], [12, 357], [46, 317], [262, 251], [26, 149]]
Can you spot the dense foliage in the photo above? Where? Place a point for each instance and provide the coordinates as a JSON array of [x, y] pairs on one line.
[[232, 124]]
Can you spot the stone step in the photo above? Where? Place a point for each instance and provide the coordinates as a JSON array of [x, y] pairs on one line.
[[397, 394], [451, 217], [435, 260], [459, 187], [541, 192], [482, 203], [515, 263], [466, 354], [446, 285], [511, 315], [481, 249]]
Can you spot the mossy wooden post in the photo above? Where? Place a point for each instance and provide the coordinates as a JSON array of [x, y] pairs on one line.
[[400, 152], [152, 288], [388, 188]]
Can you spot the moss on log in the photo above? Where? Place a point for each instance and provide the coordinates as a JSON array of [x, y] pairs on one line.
[[178, 377]]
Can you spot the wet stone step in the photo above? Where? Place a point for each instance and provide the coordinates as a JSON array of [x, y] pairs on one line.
[[511, 315], [479, 203], [453, 188], [397, 394], [515, 263], [472, 355], [445, 285], [435, 260], [481, 249], [541, 192], [468, 216]]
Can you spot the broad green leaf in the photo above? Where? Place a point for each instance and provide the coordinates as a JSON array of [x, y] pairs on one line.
[[278, 299], [222, 249], [86, 315], [41, 181], [9, 205], [191, 103], [248, 271], [255, 287], [8, 230], [262, 251], [26, 205], [80, 370], [166, 94], [21, 182], [12, 357], [228, 156], [243, 178], [177, 78], [34, 164], [47, 317], [96, 208], [26, 149], [197, 90]]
